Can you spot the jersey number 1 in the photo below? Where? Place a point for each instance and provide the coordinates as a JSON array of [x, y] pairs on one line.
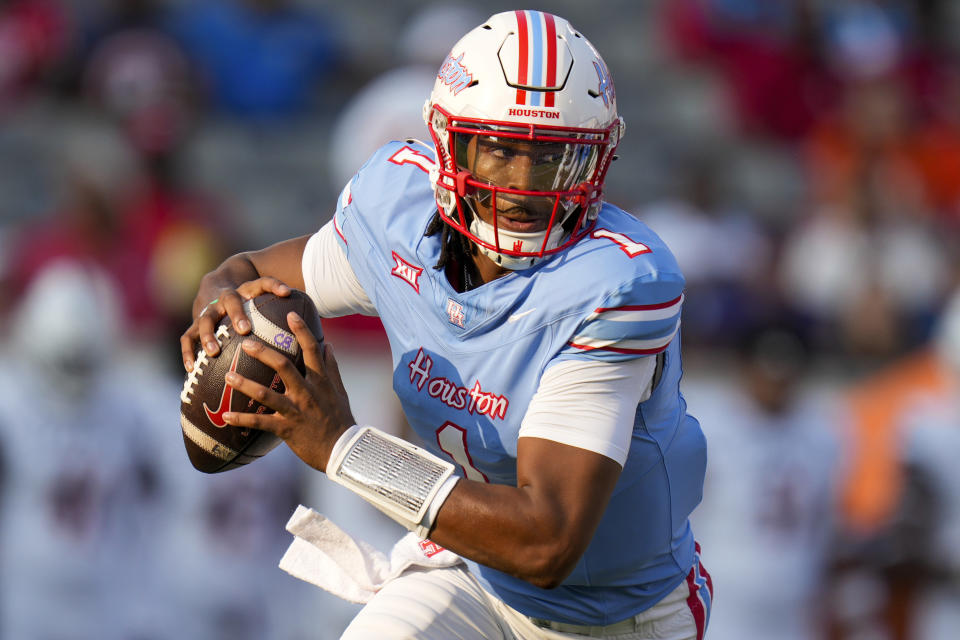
[[408, 155], [452, 440], [628, 245]]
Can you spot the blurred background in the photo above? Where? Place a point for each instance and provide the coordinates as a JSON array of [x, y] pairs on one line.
[[801, 158]]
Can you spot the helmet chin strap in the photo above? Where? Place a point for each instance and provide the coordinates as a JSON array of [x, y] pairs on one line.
[[528, 242]]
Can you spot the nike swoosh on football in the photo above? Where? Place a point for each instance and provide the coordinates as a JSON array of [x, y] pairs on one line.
[[216, 417], [517, 316]]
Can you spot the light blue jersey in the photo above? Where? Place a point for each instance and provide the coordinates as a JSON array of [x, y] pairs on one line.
[[466, 366]]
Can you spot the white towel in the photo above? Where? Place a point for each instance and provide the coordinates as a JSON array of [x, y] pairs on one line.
[[324, 555]]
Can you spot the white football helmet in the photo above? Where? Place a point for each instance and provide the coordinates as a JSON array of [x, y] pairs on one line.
[[524, 83], [69, 323]]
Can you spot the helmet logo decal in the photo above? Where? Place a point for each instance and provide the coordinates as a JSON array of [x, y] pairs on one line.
[[455, 75], [537, 58], [605, 88]]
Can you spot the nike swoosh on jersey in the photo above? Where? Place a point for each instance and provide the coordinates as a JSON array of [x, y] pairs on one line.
[[216, 417], [517, 316]]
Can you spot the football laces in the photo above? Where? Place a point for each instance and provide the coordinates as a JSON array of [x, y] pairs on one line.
[[202, 359]]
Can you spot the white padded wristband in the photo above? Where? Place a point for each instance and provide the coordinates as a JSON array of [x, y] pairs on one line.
[[407, 483], [337, 452]]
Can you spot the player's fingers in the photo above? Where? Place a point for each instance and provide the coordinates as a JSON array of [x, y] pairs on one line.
[[256, 391], [275, 360], [206, 324], [263, 421], [312, 350], [266, 284], [232, 303], [188, 342]]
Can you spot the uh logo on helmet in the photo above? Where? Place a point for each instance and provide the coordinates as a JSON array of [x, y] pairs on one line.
[[455, 75], [528, 76]]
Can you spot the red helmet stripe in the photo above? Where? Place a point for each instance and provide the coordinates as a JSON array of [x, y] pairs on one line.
[[551, 57], [524, 34]]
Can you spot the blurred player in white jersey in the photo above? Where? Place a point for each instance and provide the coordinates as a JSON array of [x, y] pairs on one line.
[[534, 334], [79, 486], [766, 519]]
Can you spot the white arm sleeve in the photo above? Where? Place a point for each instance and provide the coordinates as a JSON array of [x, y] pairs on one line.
[[590, 405], [329, 279]]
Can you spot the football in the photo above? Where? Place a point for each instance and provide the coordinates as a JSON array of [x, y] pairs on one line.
[[212, 445]]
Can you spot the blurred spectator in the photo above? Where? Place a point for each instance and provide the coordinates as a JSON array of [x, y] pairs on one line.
[[868, 266], [80, 491], [259, 59], [34, 36], [865, 39], [125, 208], [97, 166], [766, 516], [137, 74], [169, 235], [898, 103], [128, 67], [725, 254], [936, 148], [870, 131], [766, 50], [901, 508]]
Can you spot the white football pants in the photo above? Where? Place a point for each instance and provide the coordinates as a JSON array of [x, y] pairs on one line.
[[450, 604]]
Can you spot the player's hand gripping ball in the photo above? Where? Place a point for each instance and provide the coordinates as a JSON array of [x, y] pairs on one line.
[[211, 443]]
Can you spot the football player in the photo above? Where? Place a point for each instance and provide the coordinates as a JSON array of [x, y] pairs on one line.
[[81, 488], [770, 488], [534, 330]]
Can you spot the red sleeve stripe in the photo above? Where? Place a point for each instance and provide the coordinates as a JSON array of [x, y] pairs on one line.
[[638, 313], [642, 307], [640, 347], [641, 352]]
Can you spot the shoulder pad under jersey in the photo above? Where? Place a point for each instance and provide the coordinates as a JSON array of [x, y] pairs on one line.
[[637, 311], [386, 199]]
